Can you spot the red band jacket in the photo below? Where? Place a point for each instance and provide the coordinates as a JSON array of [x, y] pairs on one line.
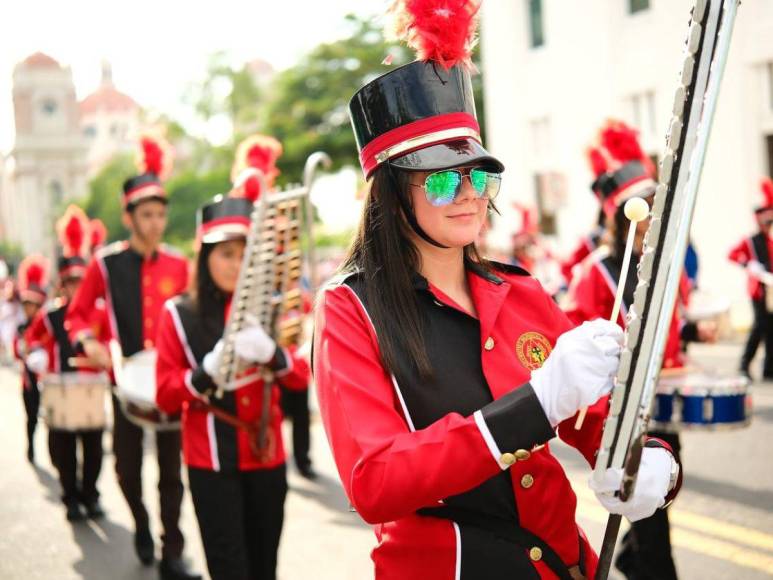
[[592, 295], [48, 331], [184, 338], [134, 289], [584, 248], [471, 443], [758, 247]]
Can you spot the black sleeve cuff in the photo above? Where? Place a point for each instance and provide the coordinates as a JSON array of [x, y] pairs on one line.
[[517, 420], [279, 362], [202, 382], [689, 332]]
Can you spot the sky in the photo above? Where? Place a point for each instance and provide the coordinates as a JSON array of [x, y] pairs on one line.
[[158, 48]]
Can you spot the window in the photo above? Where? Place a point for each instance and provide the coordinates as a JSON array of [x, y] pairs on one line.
[[48, 106], [769, 143], [57, 192], [90, 131], [536, 25], [642, 114], [635, 6], [769, 69]]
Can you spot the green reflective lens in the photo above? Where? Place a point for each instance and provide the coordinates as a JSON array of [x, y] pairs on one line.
[[442, 187], [478, 178]]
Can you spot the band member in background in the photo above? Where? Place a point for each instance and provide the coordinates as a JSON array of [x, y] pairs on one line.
[[238, 488], [646, 550], [135, 278], [754, 253], [601, 156], [530, 252], [32, 279], [50, 351], [441, 377]]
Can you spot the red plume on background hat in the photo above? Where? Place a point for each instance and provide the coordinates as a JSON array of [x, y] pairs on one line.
[[255, 153], [98, 234], [155, 159], [528, 226], [33, 279], [228, 217], [765, 196], [74, 232], [621, 168]]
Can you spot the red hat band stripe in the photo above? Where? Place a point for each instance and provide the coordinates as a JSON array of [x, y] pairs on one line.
[[224, 223], [73, 271], [627, 191], [32, 296], [147, 190], [417, 135]]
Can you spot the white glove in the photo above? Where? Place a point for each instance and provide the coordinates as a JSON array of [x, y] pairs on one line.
[[580, 370], [37, 361], [755, 268], [651, 486], [252, 344], [211, 361]]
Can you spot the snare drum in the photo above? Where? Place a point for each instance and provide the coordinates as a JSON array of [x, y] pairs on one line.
[[74, 401], [136, 391], [702, 401]]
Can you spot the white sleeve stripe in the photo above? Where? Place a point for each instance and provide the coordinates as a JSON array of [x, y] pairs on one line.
[[489, 439]]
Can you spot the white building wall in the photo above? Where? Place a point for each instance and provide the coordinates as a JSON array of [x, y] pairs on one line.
[[596, 57]]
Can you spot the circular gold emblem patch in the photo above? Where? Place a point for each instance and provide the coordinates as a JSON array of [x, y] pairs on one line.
[[532, 349], [166, 286]]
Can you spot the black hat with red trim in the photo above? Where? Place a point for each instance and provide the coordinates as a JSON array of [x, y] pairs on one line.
[[621, 168], [33, 279], [74, 230], [228, 217], [421, 116], [154, 162]]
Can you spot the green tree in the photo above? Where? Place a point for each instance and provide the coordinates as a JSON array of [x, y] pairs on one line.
[[308, 110], [105, 192]]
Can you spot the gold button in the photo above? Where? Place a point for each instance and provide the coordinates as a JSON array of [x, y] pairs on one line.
[[148, 301], [508, 458], [245, 401], [522, 455], [149, 322], [148, 343], [527, 481], [489, 343], [147, 280], [535, 554]]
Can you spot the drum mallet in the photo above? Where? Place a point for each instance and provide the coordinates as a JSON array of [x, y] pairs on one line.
[[636, 209]]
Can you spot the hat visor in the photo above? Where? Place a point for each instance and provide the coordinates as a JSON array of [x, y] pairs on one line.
[[458, 153], [224, 234]]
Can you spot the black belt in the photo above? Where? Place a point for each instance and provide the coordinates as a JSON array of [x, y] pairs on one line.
[[507, 530]]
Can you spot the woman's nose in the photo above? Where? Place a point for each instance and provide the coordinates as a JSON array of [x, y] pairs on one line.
[[467, 191]]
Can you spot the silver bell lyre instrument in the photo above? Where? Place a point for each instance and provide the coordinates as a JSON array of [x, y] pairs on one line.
[[662, 259], [269, 284]]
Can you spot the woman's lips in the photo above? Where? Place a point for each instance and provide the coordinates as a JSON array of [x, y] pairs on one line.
[[462, 215]]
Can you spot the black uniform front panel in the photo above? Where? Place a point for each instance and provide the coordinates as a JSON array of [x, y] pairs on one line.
[[124, 272], [202, 334], [452, 340], [614, 266], [760, 245], [66, 351]]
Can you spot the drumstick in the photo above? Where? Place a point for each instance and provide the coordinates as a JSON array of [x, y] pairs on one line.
[[636, 209], [80, 362]]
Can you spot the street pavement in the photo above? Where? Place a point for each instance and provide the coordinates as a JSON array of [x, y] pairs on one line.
[[722, 522]]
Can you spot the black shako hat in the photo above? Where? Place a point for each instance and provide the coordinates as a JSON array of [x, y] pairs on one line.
[[225, 218], [419, 117]]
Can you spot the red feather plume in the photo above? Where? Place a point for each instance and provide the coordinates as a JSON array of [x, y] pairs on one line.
[[33, 270], [440, 30], [155, 155], [98, 234], [617, 144], [73, 231], [766, 186], [258, 153]]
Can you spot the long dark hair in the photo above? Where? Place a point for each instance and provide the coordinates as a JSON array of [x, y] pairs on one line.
[[206, 296], [382, 251]]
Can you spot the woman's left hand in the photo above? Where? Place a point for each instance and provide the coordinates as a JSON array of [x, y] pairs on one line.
[[652, 486], [253, 344]]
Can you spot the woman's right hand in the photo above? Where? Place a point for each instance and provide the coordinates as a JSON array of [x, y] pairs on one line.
[[580, 370], [97, 353]]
